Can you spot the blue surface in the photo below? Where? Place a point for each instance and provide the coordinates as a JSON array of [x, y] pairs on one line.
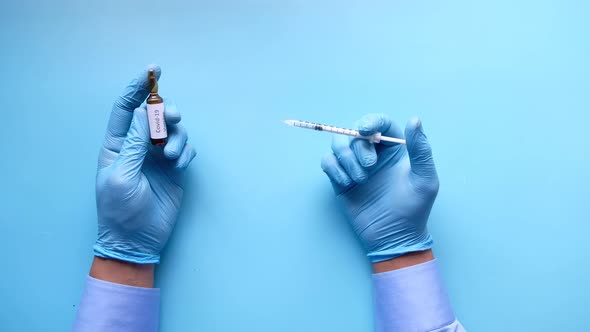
[[502, 88]]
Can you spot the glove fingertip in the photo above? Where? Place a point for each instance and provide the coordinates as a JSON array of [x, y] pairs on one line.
[[413, 128], [155, 68], [372, 123], [365, 152], [334, 171], [415, 123], [369, 160], [170, 153], [186, 157], [364, 127], [171, 113], [193, 155]]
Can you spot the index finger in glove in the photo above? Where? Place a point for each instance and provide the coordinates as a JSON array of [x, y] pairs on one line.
[[122, 113]]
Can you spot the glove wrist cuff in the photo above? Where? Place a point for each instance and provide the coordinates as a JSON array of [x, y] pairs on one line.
[[398, 250], [127, 256]]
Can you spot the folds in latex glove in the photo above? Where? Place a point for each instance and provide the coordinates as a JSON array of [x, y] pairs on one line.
[[387, 190], [139, 187]]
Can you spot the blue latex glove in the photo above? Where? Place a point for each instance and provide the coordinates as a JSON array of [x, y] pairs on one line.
[[387, 189], [139, 186]]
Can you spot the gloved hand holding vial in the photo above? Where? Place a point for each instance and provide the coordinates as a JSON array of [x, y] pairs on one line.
[[139, 187]]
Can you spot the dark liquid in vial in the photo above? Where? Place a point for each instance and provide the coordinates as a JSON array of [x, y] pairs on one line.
[[159, 141]]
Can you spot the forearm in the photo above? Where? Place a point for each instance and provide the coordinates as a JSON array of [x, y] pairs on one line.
[[410, 295], [407, 260], [120, 272], [118, 297]]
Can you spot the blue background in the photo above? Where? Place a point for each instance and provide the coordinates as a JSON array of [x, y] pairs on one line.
[[501, 86]]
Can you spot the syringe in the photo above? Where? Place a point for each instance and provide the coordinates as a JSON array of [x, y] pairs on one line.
[[375, 138]]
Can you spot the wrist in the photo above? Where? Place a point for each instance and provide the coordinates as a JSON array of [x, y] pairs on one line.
[[405, 260], [118, 249], [399, 246], [121, 272]]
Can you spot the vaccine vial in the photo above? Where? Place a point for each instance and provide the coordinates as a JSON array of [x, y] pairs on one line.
[[155, 112]]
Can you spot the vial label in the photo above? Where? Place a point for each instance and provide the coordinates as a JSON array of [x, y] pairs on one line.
[[156, 121]]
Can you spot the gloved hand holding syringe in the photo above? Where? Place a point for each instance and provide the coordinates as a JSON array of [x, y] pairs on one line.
[[374, 138]]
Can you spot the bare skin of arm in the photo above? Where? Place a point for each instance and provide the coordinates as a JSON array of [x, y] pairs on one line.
[[125, 273], [409, 259], [142, 275]]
